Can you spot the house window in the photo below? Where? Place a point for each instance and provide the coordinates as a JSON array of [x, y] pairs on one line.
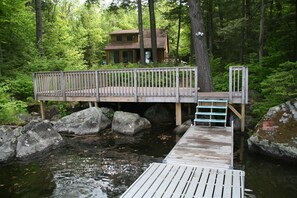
[[114, 57], [127, 56], [119, 38], [129, 38]]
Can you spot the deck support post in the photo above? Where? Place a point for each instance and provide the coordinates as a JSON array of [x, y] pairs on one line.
[[42, 110], [96, 104], [242, 117], [90, 104], [178, 114]]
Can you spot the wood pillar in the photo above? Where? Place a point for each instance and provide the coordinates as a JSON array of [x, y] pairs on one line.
[[42, 110], [90, 104], [178, 114], [96, 104], [242, 117], [189, 110]]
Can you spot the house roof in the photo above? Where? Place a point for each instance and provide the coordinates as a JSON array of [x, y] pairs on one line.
[[161, 40]]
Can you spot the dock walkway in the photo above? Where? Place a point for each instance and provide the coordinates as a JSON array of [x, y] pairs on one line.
[[200, 165]]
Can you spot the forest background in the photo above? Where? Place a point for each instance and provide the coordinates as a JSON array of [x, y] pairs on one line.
[[260, 34]]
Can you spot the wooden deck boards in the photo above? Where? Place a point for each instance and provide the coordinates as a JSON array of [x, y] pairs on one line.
[[168, 180], [207, 146]]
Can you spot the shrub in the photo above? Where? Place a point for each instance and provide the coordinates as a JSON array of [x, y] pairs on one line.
[[10, 108]]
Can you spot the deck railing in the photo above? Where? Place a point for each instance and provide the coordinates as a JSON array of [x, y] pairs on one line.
[[138, 82], [238, 84]]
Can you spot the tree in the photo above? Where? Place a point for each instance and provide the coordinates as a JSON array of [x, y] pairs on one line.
[[38, 26], [261, 32], [140, 28], [200, 46], [178, 31], [153, 31]]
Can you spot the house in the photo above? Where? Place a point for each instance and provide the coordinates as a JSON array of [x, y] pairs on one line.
[[124, 46]]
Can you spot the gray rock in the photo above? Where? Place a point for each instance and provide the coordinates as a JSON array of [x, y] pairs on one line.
[[108, 112], [8, 141], [37, 138], [181, 129], [129, 123], [275, 135], [158, 115], [87, 121]]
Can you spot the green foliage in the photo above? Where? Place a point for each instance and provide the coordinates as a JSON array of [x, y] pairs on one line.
[[62, 107], [280, 86], [10, 108], [21, 87]]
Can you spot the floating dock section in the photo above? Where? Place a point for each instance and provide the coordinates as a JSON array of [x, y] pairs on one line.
[[200, 165]]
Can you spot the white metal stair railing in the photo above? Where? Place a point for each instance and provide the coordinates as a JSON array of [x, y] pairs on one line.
[[210, 111]]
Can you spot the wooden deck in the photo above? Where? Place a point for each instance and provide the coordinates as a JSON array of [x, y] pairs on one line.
[[204, 146], [172, 85], [169, 180], [200, 165]]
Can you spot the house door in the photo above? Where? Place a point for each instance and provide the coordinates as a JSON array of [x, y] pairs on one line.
[[128, 56]]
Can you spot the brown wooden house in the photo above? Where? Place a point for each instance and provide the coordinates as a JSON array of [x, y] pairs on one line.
[[124, 46]]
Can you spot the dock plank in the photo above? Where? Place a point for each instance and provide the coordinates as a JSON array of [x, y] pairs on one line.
[[219, 183], [202, 183]]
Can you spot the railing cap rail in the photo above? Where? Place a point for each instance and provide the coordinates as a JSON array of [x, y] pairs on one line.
[[127, 69]]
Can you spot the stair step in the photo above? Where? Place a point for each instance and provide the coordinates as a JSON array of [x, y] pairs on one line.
[[211, 107], [211, 113], [210, 120], [223, 100]]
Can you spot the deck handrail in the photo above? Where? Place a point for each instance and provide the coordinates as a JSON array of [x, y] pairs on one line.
[[135, 82], [238, 84]]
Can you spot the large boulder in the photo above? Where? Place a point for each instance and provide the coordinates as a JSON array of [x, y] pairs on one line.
[[129, 123], [91, 120], [8, 142], [181, 129], [276, 133], [37, 137], [158, 115]]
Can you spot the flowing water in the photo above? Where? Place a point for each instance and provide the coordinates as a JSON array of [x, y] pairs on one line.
[[106, 165]]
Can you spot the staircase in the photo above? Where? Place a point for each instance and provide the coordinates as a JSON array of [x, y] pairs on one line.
[[211, 112]]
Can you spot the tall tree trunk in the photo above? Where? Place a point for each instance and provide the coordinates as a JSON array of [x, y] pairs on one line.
[[38, 26], [247, 30], [296, 30], [178, 31], [153, 31], [242, 33], [210, 27], [261, 32], [200, 46], [140, 28]]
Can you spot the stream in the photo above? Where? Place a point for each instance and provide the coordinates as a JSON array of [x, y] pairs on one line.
[[106, 165]]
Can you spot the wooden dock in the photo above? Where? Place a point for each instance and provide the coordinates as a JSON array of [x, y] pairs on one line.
[[200, 165], [204, 146], [168, 180]]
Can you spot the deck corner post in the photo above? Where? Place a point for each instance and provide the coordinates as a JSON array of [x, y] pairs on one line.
[[178, 113], [97, 85], [35, 86], [177, 84], [135, 84], [41, 103], [63, 89], [230, 85], [196, 84]]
